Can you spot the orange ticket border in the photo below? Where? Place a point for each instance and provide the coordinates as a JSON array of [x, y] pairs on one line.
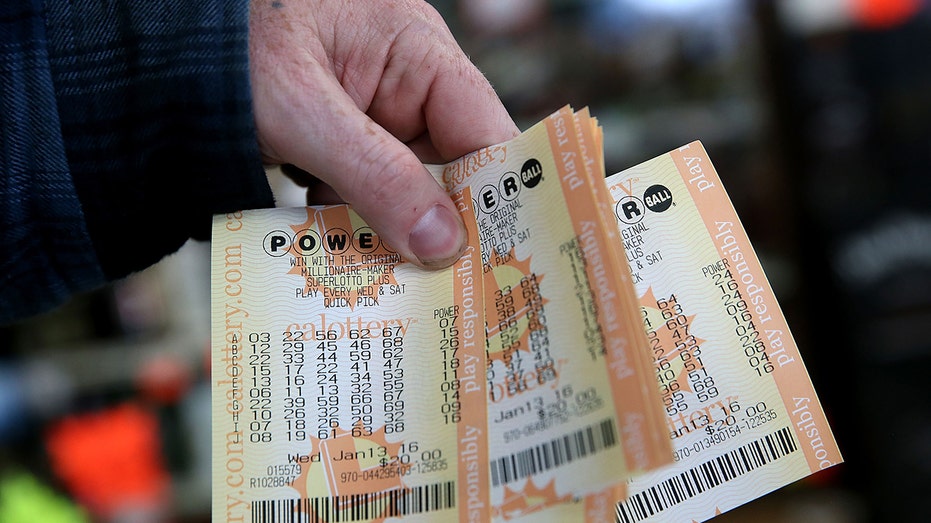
[[809, 421]]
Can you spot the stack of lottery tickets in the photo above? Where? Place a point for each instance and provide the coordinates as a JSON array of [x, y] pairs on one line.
[[606, 349]]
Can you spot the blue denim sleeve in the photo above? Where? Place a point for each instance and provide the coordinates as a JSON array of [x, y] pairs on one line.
[[126, 126]]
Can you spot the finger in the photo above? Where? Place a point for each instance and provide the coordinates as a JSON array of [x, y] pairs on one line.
[[463, 116], [429, 85]]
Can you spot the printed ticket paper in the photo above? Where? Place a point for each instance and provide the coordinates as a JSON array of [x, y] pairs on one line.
[[739, 407], [348, 385], [572, 355], [565, 371]]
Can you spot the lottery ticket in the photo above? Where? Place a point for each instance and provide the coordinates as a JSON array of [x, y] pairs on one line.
[[740, 408], [568, 409], [348, 384]]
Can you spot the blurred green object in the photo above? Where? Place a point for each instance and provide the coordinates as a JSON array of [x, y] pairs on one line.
[[24, 499]]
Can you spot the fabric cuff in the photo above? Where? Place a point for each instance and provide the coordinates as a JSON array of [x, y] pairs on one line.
[[155, 110]]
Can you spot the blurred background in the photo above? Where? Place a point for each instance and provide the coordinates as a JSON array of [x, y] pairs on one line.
[[817, 115]]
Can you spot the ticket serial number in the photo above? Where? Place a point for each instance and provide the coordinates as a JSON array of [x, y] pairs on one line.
[[380, 472]]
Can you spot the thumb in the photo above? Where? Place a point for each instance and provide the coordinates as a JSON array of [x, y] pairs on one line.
[[384, 181]]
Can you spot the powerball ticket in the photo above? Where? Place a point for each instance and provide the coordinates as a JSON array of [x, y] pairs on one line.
[[348, 385], [553, 418], [740, 408]]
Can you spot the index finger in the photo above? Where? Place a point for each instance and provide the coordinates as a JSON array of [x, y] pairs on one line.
[[430, 87]]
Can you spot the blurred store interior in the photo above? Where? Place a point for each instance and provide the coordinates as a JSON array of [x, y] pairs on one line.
[[817, 115]]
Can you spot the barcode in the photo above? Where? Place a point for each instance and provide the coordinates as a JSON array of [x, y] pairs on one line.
[[355, 507], [559, 451], [708, 475]]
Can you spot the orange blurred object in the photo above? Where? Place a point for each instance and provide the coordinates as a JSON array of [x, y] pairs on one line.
[[164, 379], [110, 461], [884, 14]]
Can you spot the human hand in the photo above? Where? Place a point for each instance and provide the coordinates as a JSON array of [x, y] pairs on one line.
[[360, 94]]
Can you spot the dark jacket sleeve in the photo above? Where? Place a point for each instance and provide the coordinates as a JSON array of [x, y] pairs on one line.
[[126, 126]]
